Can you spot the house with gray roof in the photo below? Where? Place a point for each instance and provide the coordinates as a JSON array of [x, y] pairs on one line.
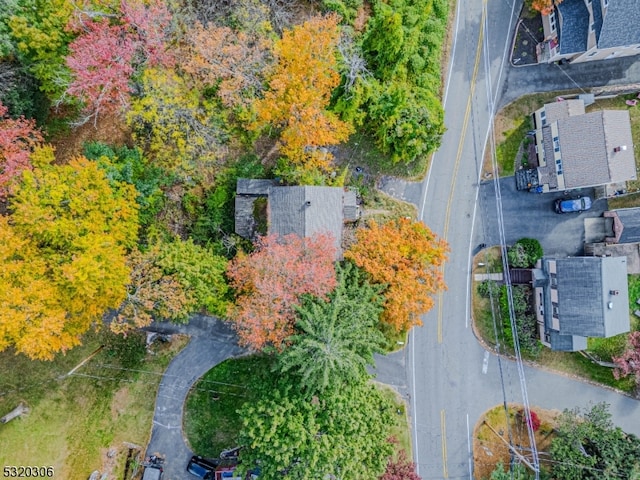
[[580, 297], [301, 210], [586, 30], [575, 149]]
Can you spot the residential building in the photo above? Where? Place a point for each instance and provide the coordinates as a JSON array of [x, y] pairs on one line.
[[587, 30], [574, 149], [302, 210], [580, 297]]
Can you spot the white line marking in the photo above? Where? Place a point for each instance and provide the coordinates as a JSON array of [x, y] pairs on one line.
[[485, 362], [416, 453], [469, 450]]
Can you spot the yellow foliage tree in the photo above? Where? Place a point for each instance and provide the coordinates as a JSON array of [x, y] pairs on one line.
[[176, 125], [62, 256], [299, 93], [405, 256]]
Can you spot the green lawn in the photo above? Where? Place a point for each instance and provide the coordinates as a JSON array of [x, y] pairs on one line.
[[74, 420]]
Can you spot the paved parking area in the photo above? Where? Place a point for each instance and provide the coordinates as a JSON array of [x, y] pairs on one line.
[[532, 215]]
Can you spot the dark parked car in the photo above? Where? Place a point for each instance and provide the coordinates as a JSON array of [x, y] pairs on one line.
[[201, 467], [573, 205]]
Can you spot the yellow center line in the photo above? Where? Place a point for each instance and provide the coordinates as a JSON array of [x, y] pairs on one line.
[[443, 431], [463, 134]]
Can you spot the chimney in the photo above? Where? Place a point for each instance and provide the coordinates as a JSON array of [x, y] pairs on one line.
[[621, 148], [308, 203]]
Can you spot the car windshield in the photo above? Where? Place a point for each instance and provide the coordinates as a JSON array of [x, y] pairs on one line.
[[197, 470]]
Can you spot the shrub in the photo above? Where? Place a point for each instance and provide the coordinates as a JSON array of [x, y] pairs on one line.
[[535, 420], [524, 253], [488, 288]]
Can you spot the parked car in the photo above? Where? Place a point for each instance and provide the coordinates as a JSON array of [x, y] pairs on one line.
[[152, 472], [201, 467], [579, 204]]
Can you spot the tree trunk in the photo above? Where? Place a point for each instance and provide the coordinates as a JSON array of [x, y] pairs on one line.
[[16, 412]]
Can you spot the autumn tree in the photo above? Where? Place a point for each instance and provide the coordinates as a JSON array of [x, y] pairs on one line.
[[400, 468], [342, 434], [18, 137], [270, 281], [629, 362], [407, 257], [38, 29], [176, 126], [72, 230], [151, 294], [233, 62], [339, 334], [104, 57], [545, 7], [100, 62], [299, 93]]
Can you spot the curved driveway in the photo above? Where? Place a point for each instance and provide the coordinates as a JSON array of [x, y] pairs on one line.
[[211, 342], [449, 378]]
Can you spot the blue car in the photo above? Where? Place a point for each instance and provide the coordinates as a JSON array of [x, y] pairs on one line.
[[573, 205]]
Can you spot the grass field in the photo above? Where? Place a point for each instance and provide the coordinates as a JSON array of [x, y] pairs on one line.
[[75, 420]]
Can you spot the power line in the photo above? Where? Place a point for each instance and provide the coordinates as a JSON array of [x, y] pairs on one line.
[[507, 279]]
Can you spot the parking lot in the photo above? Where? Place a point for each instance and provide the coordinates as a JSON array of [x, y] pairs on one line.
[[532, 215]]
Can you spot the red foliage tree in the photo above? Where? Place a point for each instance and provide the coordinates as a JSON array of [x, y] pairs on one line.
[[270, 281], [400, 468], [105, 56], [150, 24], [535, 420], [101, 64], [629, 362], [17, 139]]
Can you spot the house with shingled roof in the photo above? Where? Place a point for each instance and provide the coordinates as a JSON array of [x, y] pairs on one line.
[[587, 30], [574, 149], [302, 210], [580, 297]]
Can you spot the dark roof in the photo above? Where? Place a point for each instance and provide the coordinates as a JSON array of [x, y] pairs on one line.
[[306, 211], [244, 221], [575, 26], [621, 24], [253, 186], [596, 7], [351, 210], [586, 304], [567, 343]]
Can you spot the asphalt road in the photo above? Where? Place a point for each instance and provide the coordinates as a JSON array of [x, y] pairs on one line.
[[448, 377]]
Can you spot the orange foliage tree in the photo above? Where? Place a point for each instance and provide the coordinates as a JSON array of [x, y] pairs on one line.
[[151, 294], [234, 61], [545, 7], [270, 281], [406, 256], [299, 93]]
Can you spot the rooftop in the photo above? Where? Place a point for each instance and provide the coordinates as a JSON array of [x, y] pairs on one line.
[[621, 24], [593, 297]]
